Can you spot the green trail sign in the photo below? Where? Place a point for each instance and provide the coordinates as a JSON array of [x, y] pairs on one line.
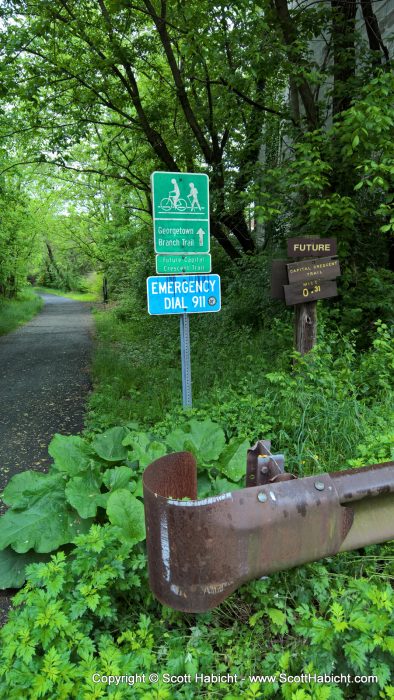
[[181, 264], [180, 212]]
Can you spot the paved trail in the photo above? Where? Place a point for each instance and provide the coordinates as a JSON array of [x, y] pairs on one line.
[[44, 381]]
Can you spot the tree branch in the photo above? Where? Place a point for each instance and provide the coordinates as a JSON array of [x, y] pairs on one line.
[[191, 119], [153, 136], [373, 30]]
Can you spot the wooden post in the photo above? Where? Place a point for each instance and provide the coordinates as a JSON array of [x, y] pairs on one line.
[[306, 279], [305, 315], [305, 326]]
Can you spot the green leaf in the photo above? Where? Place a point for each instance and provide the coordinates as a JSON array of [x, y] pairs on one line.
[[256, 617], [102, 499], [155, 450], [222, 485], [383, 673], [137, 488], [45, 526], [70, 452], [233, 459], [24, 488], [204, 485], [355, 652], [277, 617], [13, 565], [127, 512], [117, 478], [355, 141], [139, 439], [204, 438], [83, 492], [145, 448], [109, 446]]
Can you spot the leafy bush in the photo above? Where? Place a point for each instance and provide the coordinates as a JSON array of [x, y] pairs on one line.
[[80, 613], [59, 635], [365, 297], [357, 625], [79, 620], [48, 511], [101, 480]]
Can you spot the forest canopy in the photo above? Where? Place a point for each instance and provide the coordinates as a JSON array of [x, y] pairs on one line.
[[286, 106]]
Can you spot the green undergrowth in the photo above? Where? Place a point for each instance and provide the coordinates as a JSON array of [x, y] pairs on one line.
[[137, 366], [76, 296], [87, 613], [15, 312], [89, 616], [318, 409]]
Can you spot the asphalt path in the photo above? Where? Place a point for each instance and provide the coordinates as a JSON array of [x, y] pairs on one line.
[[44, 382]]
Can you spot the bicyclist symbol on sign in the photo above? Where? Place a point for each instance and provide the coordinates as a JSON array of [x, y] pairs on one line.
[[174, 201]]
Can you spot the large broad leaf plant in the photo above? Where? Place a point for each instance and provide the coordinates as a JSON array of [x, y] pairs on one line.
[[100, 480]]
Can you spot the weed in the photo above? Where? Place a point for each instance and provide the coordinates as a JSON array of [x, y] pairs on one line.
[[15, 312]]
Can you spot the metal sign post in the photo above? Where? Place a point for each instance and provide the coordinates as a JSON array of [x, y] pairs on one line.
[[185, 359]]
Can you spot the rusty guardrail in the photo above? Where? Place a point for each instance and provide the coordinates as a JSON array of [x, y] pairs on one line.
[[200, 551]]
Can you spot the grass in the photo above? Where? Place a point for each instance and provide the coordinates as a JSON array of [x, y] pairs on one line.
[[243, 379], [16, 312], [76, 296], [137, 364], [126, 385]]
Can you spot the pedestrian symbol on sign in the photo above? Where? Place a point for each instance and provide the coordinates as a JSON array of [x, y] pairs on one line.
[[193, 197]]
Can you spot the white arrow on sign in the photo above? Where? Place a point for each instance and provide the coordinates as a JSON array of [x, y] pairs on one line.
[[200, 234]]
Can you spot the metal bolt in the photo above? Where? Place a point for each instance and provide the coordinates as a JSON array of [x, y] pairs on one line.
[[264, 470], [319, 485], [262, 497]]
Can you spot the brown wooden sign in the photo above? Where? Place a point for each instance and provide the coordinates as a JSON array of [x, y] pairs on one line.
[[308, 247], [302, 292], [317, 269], [278, 279]]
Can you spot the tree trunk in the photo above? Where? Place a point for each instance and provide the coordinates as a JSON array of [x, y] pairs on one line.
[[52, 258], [291, 38], [374, 35], [223, 240], [238, 227], [343, 40]]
